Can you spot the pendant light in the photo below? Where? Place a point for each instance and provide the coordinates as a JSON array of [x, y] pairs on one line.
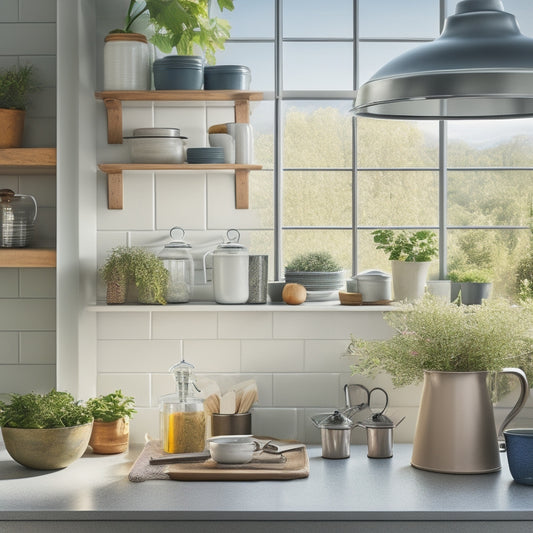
[[481, 67]]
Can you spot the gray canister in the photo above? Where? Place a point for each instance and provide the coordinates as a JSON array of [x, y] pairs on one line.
[[257, 279]]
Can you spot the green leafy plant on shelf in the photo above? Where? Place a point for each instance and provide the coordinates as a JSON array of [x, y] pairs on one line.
[[434, 335], [140, 266], [16, 86], [418, 246], [43, 411], [472, 275], [180, 25], [313, 262], [111, 407]]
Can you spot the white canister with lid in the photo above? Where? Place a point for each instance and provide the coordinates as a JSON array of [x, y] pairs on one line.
[[374, 285], [230, 270]]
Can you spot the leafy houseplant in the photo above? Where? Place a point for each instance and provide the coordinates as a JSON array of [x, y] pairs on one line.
[[140, 266], [410, 254], [313, 262], [181, 25], [475, 285], [111, 414], [16, 85], [45, 431]]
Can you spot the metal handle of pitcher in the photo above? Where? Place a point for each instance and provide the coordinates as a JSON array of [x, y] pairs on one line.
[[524, 395]]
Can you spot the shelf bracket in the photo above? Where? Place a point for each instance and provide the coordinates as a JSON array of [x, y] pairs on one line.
[[241, 189], [115, 190], [242, 111], [114, 120]]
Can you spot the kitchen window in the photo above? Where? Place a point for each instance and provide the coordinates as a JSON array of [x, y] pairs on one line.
[[330, 179]]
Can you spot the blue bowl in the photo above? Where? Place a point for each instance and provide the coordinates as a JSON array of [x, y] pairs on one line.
[[519, 444]]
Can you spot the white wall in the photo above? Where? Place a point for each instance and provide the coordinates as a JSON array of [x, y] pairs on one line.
[[27, 296]]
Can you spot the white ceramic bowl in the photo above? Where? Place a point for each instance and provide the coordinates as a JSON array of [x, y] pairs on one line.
[[167, 150], [233, 449]]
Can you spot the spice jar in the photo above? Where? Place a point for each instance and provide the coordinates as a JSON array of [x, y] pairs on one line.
[[177, 259], [181, 414]]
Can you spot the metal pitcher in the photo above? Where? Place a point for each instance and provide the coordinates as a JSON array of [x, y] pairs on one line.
[[455, 431]]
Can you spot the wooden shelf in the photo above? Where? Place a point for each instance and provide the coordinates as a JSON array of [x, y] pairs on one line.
[[27, 258], [115, 190], [113, 102], [27, 161]]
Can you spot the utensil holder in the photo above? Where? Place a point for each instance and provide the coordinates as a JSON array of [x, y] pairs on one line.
[[234, 424]]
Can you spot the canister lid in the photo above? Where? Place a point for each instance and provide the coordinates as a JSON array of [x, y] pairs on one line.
[[369, 275], [227, 69], [380, 420], [336, 420], [232, 244], [177, 233], [113, 37], [156, 132], [179, 62]]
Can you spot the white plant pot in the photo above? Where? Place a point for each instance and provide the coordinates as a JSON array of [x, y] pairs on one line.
[[409, 279]]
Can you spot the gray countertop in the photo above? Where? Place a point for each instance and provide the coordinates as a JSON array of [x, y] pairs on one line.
[[96, 487]]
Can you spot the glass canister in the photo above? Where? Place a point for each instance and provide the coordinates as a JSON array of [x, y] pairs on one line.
[[181, 414], [177, 259], [17, 218], [230, 270]]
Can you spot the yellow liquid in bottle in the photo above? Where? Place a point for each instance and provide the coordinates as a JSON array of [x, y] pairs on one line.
[[185, 432]]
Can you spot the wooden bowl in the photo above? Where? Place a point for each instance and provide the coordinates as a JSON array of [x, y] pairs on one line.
[[350, 298]]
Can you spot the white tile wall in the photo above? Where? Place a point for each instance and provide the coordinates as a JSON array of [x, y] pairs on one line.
[[27, 296]]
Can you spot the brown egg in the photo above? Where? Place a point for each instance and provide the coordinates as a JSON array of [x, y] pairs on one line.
[[294, 294]]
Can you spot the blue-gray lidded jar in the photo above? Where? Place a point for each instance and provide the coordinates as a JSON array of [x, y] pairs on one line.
[[178, 73], [221, 77]]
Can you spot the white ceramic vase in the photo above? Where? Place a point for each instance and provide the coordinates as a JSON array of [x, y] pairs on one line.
[[409, 279]]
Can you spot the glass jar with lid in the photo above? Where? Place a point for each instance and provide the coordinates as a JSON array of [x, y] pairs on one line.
[[181, 414], [17, 218], [177, 259]]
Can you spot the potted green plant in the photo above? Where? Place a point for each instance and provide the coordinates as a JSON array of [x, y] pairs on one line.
[[318, 272], [16, 86], [475, 285], [45, 431], [138, 266], [410, 254], [111, 414], [453, 348]]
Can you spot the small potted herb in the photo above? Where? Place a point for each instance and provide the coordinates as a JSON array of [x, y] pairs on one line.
[[111, 414], [410, 254], [475, 285], [138, 266], [316, 271], [45, 431], [16, 85]]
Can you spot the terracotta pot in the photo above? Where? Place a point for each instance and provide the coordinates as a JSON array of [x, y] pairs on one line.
[[46, 449], [12, 121], [110, 437]]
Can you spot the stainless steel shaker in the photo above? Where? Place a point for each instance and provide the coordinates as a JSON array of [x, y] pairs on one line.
[[335, 431]]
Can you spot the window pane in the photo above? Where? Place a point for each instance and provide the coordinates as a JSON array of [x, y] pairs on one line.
[[261, 198], [317, 198], [317, 66], [398, 198], [394, 143], [262, 121], [252, 19], [259, 57], [372, 56], [312, 18], [399, 18], [497, 250], [483, 143], [336, 242], [262, 243], [317, 134], [521, 9], [495, 198]]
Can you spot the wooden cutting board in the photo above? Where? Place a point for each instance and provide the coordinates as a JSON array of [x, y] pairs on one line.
[[263, 466]]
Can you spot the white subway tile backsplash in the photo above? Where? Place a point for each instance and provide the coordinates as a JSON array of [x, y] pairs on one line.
[[22, 379], [45, 228], [245, 325], [161, 384], [277, 423], [184, 325], [213, 355], [180, 200], [144, 422], [28, 38], [326, 356], [44, 67], [43, 188], [9, 283], [123, 326], [137, 115], [272, 356], [37, 10], [37, 282], [38, 347], [136, 385], [329, 325], [39, 132], [189, 119], [137, 355], [9, 11], [305, 390], [28, 314], [138, 212], [9, 354]]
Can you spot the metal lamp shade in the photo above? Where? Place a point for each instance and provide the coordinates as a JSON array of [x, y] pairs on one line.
[[481, 67]]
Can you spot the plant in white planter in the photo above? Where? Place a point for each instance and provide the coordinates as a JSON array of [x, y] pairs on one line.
[[410, 254]]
